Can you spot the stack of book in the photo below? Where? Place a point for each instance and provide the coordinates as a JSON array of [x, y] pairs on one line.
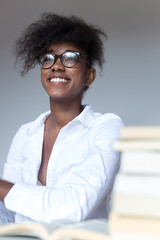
[[56, 230], [137, 187]]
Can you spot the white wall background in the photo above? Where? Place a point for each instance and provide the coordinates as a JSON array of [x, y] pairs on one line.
[[129, 84]]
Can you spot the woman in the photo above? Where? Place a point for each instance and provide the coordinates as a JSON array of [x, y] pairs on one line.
[[62, 165]]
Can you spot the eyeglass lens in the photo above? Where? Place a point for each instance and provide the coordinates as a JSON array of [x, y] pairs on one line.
[[68, 59]]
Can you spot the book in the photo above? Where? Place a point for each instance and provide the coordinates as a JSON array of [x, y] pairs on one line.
[[128, 145], [140, 132], [140, 163], [142, 138], [137, 196], [87, 230]]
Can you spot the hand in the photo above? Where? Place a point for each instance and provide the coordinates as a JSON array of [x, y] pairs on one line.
[[5, 187]]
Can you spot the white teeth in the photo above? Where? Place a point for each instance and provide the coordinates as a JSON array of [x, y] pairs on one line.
[[58, 80]]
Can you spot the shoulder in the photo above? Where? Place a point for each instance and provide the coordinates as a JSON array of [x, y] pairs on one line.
[[106, 126], [108, 123], [30, 128], [93, 119], [107, 120]]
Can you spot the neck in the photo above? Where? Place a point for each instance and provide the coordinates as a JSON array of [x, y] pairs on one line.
[[62, 114]]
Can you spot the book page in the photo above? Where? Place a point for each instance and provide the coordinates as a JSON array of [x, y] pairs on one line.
[[44, 231]]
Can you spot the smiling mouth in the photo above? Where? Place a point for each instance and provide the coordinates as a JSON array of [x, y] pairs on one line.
[[57, 80]]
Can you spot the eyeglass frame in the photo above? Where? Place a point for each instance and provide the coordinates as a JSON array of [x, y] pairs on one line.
[[56, 56]]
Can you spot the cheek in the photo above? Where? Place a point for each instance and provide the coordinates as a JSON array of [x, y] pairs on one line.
[[42, 78], [80, 75], [42, 74]]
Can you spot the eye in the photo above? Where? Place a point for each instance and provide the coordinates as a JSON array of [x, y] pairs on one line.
[[69, 58], [47, 58]]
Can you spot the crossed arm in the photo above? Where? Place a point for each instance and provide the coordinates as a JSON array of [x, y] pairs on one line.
[[4, 188]]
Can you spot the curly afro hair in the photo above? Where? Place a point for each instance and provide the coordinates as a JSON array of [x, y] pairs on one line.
[[52, 28]]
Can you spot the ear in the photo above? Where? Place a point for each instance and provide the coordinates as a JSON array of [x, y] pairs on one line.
[[91, 75]]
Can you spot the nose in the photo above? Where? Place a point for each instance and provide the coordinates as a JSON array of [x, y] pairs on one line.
[[57, 66]]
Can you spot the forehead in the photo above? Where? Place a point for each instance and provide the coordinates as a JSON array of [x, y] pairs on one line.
[[59, 48]]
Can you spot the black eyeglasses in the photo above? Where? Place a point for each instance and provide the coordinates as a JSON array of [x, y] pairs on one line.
[[68, 59]]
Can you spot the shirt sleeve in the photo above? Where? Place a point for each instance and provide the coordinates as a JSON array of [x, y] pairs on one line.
[[84, 190], [15, 158]]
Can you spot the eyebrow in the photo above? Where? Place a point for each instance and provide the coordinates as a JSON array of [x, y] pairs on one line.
[[68, 50], [50, 51]]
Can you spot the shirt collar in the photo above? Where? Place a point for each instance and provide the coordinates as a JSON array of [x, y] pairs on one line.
[[38, 123], [86, 118]]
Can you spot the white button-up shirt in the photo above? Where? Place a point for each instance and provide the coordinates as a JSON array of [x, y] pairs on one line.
[[80, 174]]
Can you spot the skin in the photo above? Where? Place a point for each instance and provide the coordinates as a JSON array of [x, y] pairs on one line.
[[65, 103]]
